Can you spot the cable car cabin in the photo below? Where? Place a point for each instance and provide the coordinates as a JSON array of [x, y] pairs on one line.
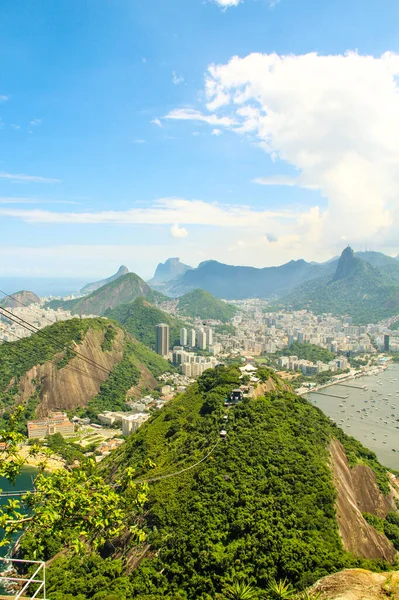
[[235, 396], [225, 417], [223, 434]]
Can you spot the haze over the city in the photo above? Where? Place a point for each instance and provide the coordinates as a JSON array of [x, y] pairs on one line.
[[252, 132]]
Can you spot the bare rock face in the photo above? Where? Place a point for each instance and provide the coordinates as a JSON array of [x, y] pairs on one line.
[[359, 584], [358, 492], [67, 388]]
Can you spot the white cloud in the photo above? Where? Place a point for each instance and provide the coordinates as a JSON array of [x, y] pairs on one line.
[[217, 132], [227, 3], [178, 232], [196, 133], [176, 79], [157, 122], [14, 126], [189, 114], [166, 211], [4, 98], [27, 178], [282, 180], [335, 119], [139, 141], [35, 122]]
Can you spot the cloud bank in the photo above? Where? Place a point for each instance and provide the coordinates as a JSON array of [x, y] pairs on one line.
[[334, 119]]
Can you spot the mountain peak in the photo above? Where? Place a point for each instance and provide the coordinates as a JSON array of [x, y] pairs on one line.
[[346, 264], [168, 270], [92, 287]]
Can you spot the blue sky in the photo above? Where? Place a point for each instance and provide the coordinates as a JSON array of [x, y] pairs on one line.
[[119, 145]]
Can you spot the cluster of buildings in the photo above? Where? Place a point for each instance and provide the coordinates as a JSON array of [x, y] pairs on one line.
[[34, 314], [201, 338], [307, 367], [191, 364], [56, 422], [129, 422]]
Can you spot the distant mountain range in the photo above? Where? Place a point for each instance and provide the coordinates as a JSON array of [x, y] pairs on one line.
[[357, 288], [237, 283], [92, 287], [120, 291]]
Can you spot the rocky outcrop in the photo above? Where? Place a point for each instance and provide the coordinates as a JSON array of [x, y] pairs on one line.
[[78, 382], [358, 492], [359, 584]]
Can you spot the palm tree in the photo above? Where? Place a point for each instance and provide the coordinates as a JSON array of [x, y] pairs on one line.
[[280, 590], [239, 590]]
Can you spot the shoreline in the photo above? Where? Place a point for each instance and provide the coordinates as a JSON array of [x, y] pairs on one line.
[[368, 371], [52, 464]]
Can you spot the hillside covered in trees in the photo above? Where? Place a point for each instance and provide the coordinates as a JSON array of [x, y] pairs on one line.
[[203, 305], [125, 288], [140, 318], [43, 371], [365, 292], [259, 505]]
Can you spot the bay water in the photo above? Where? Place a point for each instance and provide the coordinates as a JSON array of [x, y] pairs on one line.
[[371, 416]]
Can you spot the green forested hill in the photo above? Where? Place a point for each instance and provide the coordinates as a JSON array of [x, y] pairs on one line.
[[140, 318], [120, 291], [357, 289], [202, 304], [261, 506], [65, 379]]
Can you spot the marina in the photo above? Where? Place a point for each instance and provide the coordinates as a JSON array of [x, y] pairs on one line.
[[369, 413]]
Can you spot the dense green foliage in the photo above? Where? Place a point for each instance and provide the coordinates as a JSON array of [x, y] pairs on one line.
[[388, 526], [122, 290], [260, 506], [307, 352], [199, 303], [140, 318]]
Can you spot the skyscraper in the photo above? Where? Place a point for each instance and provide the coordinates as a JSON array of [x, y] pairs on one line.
[[209, 336], [201, 339], [162, 339], [191, 338], [183, 336], [386, 343]]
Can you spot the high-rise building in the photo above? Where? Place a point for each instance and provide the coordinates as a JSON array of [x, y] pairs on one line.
[[386, 343], [209, 336], [162, 339], [191, 338], [201, 339], [183, 336]]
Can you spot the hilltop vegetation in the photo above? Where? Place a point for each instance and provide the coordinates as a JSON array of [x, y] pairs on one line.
[[310, 352], [120, 291], [140, 318], [261, 506], [203, 305]]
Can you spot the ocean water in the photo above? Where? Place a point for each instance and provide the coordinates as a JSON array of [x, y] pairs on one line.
[[371, 416], [23, 482], [42, 287]]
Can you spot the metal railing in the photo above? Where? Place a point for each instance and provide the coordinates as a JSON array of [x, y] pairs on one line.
[[38, 577]]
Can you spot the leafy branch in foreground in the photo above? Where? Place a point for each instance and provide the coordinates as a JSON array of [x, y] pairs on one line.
[[76, 508]]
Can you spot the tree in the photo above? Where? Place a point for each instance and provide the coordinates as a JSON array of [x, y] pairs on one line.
[[77, 508], [239, 590]]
